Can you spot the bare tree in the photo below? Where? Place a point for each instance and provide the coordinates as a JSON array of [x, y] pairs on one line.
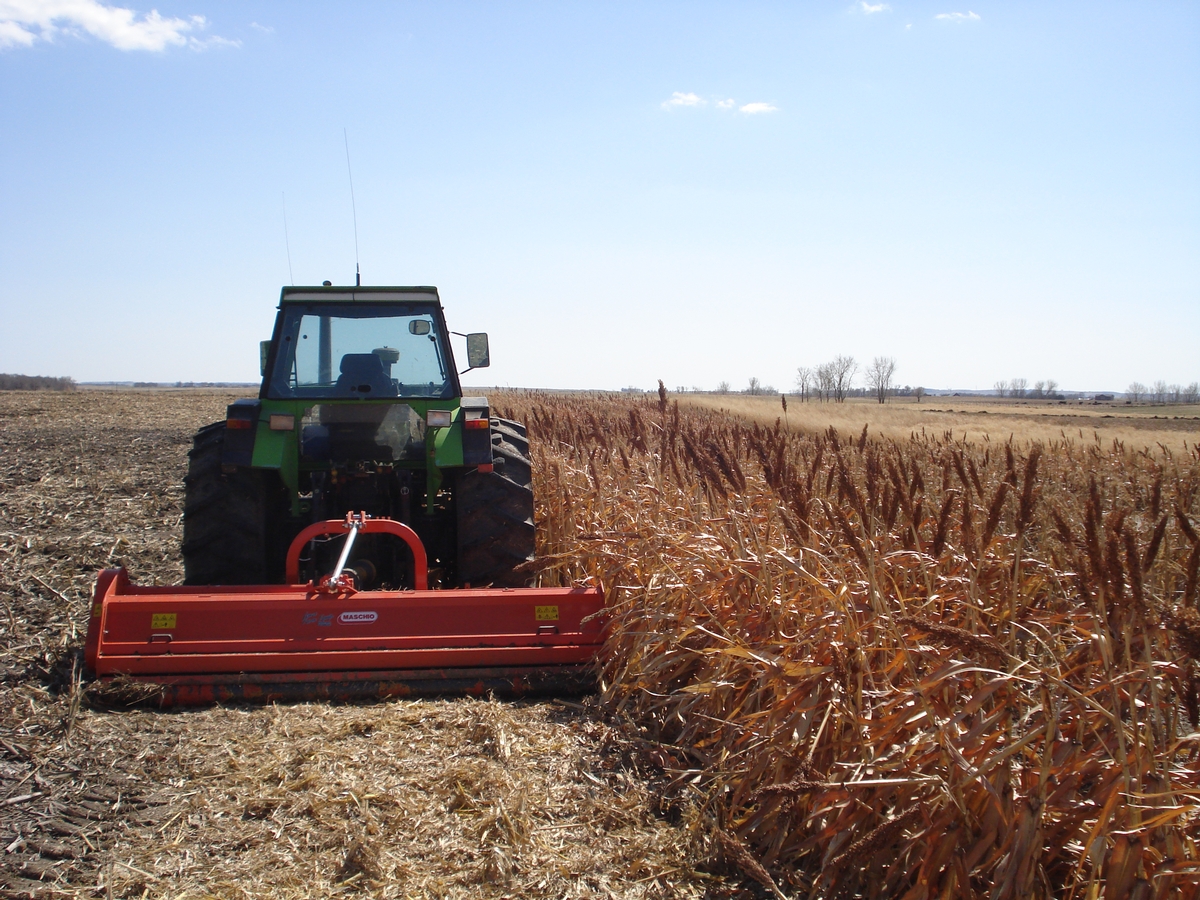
[[723, 387], [804, 381], [1191, 393], [1176, 392], [844, 368], [1018, 386], [1136, 391], [755, 387], [1160, 391], [824, 381], [879, 376], [920, 392], [1051, 387], [1001, 388], [1039, 390]]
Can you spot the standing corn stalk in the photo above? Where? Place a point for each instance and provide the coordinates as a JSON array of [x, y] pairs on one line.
[[897, 666]]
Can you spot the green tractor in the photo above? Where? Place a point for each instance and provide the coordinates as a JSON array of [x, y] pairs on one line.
[[361, 410]]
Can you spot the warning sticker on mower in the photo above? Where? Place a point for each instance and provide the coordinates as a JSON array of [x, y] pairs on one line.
[[162, 620], [357, 618], [545, 613]]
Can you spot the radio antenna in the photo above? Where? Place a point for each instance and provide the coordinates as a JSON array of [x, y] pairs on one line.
[[287, 243], [353, 211]]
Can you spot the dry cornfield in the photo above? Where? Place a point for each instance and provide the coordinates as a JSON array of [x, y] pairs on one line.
[[894, 668]]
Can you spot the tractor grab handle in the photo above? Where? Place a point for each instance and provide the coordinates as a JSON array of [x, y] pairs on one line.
[[359, 523]]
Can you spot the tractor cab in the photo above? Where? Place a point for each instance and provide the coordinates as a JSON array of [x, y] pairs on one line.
[[360, 344]]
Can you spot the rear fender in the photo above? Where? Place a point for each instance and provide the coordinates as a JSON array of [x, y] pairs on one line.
[[241, 429], [477, 432]]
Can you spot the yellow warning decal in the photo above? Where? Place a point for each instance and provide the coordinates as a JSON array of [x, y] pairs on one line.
[[97, 609], [162, 620], [545, 613]]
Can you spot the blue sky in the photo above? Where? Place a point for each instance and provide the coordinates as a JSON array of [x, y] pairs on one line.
[[616, 192]]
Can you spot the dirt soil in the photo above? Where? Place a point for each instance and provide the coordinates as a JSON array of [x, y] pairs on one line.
[[459, 798]]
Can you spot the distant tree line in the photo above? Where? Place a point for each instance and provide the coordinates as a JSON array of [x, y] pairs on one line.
[[1020, 389], [833, 381], [754, 388], [198, 384], [1161, 392], [35, 383]]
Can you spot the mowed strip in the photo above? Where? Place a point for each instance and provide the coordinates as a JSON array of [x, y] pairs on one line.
[[448, 799]]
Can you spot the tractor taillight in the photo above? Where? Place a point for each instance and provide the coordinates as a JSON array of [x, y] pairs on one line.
[[480, 424], [237, 424]]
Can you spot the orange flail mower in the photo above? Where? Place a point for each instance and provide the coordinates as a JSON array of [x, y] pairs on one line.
[[328, 640]]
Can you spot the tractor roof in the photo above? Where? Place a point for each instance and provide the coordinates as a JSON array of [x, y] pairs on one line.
[[336, 294]]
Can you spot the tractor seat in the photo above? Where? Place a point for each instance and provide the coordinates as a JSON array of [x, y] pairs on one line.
[[363, 376]]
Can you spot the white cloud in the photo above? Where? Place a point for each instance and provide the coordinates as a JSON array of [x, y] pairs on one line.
[[678, 98], [13, 35], [265, 29], [214, 41], [24, 21], [958, 17], [871, 8]]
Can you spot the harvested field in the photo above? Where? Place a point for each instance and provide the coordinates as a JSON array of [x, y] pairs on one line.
[[403, 799], [860, 666], [975, 419]]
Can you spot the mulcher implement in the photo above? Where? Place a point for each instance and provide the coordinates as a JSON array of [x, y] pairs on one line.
[[359, 529], [330, 640]]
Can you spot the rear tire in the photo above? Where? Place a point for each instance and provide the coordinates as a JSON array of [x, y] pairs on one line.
[[495, 513], [224, 517], [513, 431]]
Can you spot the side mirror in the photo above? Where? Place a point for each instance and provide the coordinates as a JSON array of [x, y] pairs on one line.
[[418, 326], [264, 350], [477, 350]]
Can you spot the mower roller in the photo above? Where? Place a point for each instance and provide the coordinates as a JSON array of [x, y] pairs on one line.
[[420, 588]]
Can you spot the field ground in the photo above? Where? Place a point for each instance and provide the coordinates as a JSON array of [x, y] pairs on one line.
[[976, 418], [921, 666]]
